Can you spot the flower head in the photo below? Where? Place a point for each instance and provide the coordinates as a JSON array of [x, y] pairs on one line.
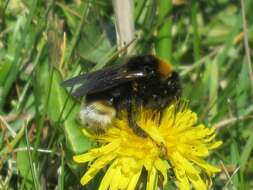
[[175, 142]]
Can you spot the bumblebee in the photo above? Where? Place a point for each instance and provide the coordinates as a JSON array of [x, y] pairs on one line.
[[141, 81]]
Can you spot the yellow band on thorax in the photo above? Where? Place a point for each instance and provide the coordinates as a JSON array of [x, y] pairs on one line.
[[165, 68]]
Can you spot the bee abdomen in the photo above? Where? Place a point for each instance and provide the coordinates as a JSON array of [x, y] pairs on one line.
[[97, 115]]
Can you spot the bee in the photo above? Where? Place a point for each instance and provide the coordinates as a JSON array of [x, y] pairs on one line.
[[143, 80]]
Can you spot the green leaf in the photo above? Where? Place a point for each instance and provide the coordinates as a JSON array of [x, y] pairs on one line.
[[95, 44], [23, 164], [4, 70], [246, 152], [59, 105]]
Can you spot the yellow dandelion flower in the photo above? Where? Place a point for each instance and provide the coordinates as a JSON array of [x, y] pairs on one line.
[[127, 155], [175, 141]]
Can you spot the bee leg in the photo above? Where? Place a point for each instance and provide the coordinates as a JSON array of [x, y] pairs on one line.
[[136, 129], [131, 122]]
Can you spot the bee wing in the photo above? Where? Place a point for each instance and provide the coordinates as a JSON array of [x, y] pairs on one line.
[[94, 85], [83, 77], [101, 80]]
